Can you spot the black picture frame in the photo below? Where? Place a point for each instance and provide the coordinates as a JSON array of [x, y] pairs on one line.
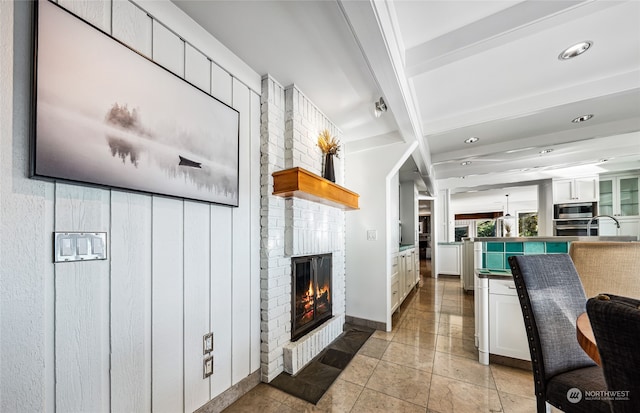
[[106, 115]]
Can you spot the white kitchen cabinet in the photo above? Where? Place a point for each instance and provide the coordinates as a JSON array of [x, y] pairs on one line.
[[583, 189], [507, 334], [619, 195], [410, 278], [402, 272], [395, 293], [395, 278], [628, 226], [416, 263], [403, 277], [449, 258]]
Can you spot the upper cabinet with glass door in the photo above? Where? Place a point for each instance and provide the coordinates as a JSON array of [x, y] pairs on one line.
[[619, 195]]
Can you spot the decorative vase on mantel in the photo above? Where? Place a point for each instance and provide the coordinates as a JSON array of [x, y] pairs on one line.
[[329, 172]]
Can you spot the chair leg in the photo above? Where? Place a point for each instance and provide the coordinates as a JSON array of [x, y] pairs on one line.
[[542, 405]]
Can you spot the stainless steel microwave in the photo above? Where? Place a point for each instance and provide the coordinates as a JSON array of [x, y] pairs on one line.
[[575, 210]]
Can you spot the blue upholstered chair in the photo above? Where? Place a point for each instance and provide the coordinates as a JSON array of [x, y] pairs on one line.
[[615, 322], [551, 298]]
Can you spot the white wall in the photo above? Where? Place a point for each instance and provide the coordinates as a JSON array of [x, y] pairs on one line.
[[369, 261], [393, 238], [443, 217], [545, 208], [125, 334], [409, 212]]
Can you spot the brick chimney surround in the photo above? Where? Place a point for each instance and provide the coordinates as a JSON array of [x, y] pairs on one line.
[[291, 227]]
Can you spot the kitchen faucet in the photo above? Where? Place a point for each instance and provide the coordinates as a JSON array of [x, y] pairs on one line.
[[600, 216]]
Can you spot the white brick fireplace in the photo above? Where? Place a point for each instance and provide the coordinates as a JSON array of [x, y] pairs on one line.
[[294, 227]]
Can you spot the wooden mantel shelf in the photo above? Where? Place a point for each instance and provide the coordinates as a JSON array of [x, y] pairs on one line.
[[300, 183]]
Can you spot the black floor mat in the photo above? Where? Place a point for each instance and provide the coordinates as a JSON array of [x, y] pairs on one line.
[[315, 378]]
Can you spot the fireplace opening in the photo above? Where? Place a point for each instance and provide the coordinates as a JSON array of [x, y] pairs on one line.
[[310, 293]]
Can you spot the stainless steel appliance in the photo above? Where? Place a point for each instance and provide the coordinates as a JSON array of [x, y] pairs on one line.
[[573, 219], [575, 210], [574, 227]]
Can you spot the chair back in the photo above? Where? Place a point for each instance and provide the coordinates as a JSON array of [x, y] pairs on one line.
[[615, 322], [551, 298], [607, 266]]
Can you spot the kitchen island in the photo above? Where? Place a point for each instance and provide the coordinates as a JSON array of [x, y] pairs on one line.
[[498, 319]]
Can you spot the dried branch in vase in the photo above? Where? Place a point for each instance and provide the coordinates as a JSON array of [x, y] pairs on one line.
[[328, 144]]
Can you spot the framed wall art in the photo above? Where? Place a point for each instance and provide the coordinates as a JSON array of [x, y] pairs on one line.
[[106, 115]]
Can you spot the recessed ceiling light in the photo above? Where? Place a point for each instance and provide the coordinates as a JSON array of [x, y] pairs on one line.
[[546, 151], [582, 118], [575, 50], [465, 163], [472, 139]]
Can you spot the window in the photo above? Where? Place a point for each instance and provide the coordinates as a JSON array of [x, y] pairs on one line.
[[528, 224], [486, 228], [461, 232]]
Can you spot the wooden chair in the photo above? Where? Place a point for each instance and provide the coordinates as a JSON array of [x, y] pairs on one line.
[[612, 267]]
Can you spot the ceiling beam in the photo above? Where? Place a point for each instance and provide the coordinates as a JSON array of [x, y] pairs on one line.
[[509, 25], [372, 26]]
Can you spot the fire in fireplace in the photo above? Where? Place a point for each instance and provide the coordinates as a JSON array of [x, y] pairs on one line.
[[310, 293]]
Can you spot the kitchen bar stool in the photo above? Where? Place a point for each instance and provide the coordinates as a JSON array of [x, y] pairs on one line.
[[607, 266]]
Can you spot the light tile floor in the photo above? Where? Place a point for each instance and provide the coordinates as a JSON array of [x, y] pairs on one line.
[[427, 364]]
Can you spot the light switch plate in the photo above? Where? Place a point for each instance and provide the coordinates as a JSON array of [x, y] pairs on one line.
[[372, 235], [207, 343], [79, 246], [207, 367]]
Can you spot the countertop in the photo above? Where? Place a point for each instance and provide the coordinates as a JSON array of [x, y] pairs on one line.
[[404, 247], [494, 274], [552, 239]]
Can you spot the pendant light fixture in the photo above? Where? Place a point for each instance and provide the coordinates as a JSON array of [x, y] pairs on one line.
[[507, 214], [506, 222]]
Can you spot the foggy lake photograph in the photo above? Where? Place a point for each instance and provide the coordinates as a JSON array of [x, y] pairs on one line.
[[108, 116]]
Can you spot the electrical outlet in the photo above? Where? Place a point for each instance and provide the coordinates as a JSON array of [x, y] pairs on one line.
[[372, 235], [207, 343], [207, 367]]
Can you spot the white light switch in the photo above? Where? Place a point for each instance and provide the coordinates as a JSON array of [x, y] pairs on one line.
[[97, 247], [66, 247], [83, 246]]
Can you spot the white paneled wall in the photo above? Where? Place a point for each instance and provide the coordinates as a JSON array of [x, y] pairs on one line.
[[82, 306], [131, 314], [221, 300], [125, 334], [197, 267], [167, 304]]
